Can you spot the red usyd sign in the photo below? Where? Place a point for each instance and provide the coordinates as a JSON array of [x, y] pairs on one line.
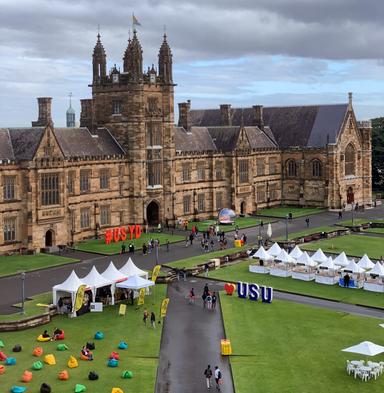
[[122, 233]]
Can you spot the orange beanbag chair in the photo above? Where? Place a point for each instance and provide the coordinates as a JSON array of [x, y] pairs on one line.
[[83, 357], [2, 369], [50, 360], [63, 375], [38, 351], [3, 356], [72, 362], [27, 376]]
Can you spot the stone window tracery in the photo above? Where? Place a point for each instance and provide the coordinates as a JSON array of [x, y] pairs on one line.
[[350, 160]]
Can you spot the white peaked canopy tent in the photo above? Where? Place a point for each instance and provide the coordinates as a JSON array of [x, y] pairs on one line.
[[328, 264], [306, 260], [130, 269], [327, 272], [296, 252], [284, 257], [365, 262], [275, 250], [374, 281], [319, 256], [95, 280], [69, 286], [135, 282], [377, 270], [262, 254], [112, 274], [353, 268], [341, 259], [365, 348]]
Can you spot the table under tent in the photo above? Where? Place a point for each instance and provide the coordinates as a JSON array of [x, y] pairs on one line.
[[283, 265], [100, 286], [356, 274], [328, 272], [374, 278], [305, 268], [264, 261]]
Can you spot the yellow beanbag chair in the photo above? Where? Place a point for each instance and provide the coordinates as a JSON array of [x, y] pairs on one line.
[[72, 362], [50, 359], [117, 390], [43, 339], [27, 376]]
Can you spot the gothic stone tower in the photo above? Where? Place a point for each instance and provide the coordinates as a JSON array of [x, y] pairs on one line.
[[138, 107]]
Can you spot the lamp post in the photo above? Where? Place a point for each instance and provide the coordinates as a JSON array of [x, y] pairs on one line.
[[22, 275], [157, 251], [286, 227], [353, 208]]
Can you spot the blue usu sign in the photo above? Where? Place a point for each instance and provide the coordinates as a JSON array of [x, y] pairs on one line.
[[254, 292]]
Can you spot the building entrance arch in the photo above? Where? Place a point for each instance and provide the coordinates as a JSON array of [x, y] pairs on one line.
[[242, 208], [49, 238], [350, 195], [153, 212]]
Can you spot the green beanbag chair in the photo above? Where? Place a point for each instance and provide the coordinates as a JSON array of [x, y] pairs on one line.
[[10, 361], [1, 344], [62, 347], [113, 363], [99, 335], [18, 389], [37, 365], [127, 374], [123, 345], [80, 388]]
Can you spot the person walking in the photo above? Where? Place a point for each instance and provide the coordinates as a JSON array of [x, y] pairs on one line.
[[145, 316], [192, 296], [206, 270], [208, 376], [153, 320], [214, 300], [307, 222], [340, 215], [218, 378], [209, 300], [167, 244]]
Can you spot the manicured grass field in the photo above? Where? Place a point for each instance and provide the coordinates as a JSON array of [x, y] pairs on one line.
[[281, 212], [25, 263], [375, 230], [310, 231], [286, 347], [141, 357], [353, 245], [240, 272], [99, 246]]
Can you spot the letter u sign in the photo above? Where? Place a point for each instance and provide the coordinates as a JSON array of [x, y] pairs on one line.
[[254, 292]]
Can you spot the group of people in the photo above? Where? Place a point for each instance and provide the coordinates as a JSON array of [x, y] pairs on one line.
[[55, 336], [209, 298], [208, 373], [151, 317]]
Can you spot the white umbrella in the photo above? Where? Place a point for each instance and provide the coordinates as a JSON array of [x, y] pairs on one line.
[[269, 230], [341, 259], [306, 260], [275, 250], [377, 270], [328, 264], [319, 256], [262, 254], [352, 267], [365, 262], [365, 348], [284, 257], [296, 252]]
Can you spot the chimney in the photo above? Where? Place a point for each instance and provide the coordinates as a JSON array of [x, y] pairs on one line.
[[258, 116], [184, 115], [226, 115], [86, 115], [45, 117]]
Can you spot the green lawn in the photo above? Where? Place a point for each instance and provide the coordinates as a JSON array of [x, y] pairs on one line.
[[357, 221], [287, 347], [25, 263], [281, 212], [99, 246], [141, 357], [353, 245], [375, 230], [310, 231], [240, 272]]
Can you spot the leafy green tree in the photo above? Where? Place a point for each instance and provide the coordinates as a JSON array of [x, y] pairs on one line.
[[378, 153]]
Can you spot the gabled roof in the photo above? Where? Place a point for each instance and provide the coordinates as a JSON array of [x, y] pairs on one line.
[[198, 139], [6, 150], [25, 141]]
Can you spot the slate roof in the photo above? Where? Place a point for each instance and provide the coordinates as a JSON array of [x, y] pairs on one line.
[[197, 140], [303, 126], [25, 141], [6, 151]]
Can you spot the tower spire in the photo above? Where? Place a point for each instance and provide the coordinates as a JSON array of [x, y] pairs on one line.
[[165, 61]]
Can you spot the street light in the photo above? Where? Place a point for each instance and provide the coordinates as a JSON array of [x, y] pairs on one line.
[[22, 292], [286, 227], [353, 208]]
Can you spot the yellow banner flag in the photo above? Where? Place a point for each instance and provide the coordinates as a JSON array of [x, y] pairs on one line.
[[79, 297], [155, 272], [122, 309], [164, 307], [140, 300]]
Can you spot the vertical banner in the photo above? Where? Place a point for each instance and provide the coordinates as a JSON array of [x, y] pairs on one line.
[[79, 297], [122, 309], [140, 300], [164, 307], [155, 272]]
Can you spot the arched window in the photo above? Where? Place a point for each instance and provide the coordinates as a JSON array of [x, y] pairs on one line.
[[291, 168], [349, 160], [316, 168]]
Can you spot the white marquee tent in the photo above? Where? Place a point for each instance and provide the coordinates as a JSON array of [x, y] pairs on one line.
[[365, 262], [319, 256], [262, 254], [112, 274], [328, 264], [352, 267], [341, 259], [365, 348], [130, 269], [296, 252], [377, 270], [284, 257], [135, 282], [275, 250], [306, 260], [95, 280]]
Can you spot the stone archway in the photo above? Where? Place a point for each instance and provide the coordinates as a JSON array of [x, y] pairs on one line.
[[350, 196], [153, 213], [49, 238]]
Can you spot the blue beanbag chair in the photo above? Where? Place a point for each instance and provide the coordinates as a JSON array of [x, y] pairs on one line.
[[123, 345], [18, 389], [99, 335], [113, 363], [10, 362]]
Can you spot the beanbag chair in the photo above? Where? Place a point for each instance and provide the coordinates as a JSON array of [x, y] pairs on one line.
[[16, 348], [92, 376], [27, 376], [1, 344], [63, 375], [72, 362], [50, 360], [80, 388], [2, 369], [43, 339], [10, 361], [38, 351], [18, 389], [123, 345], [62, 347], [83, 357], [45, 388], [114, 355], [90, 346], [127, 374], [3, 356], [60, 336], [117, 390], [113, 363], [99, 335], [37, 365]]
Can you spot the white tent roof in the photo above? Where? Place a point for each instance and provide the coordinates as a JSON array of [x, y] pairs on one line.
[[275, 250], [130, 269], [341, 259], [306, 260], [352, 267], [112, 274], [329, 264], [319, 256], [284, 257], [135, 282], [365, 262], [262, 254], [71, 284], [296, 252], [378, 269], [365, 348], [95, 280]]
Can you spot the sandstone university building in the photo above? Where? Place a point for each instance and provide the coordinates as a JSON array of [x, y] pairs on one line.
[[129, 163]]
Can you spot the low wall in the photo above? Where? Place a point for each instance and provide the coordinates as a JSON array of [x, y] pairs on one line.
[[27, 323]]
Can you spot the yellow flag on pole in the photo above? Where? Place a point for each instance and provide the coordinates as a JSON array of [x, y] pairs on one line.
[[155, 272], [140, 300], [79, 297], [164, 307]]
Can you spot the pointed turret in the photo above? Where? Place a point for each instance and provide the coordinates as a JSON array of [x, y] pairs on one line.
[[165, 62], [99, 61], [133, 58]]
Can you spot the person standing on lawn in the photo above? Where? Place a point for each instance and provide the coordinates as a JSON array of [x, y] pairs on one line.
[[208, 376], [214, 300], [153, 320], [218, 378], [145, 316]]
